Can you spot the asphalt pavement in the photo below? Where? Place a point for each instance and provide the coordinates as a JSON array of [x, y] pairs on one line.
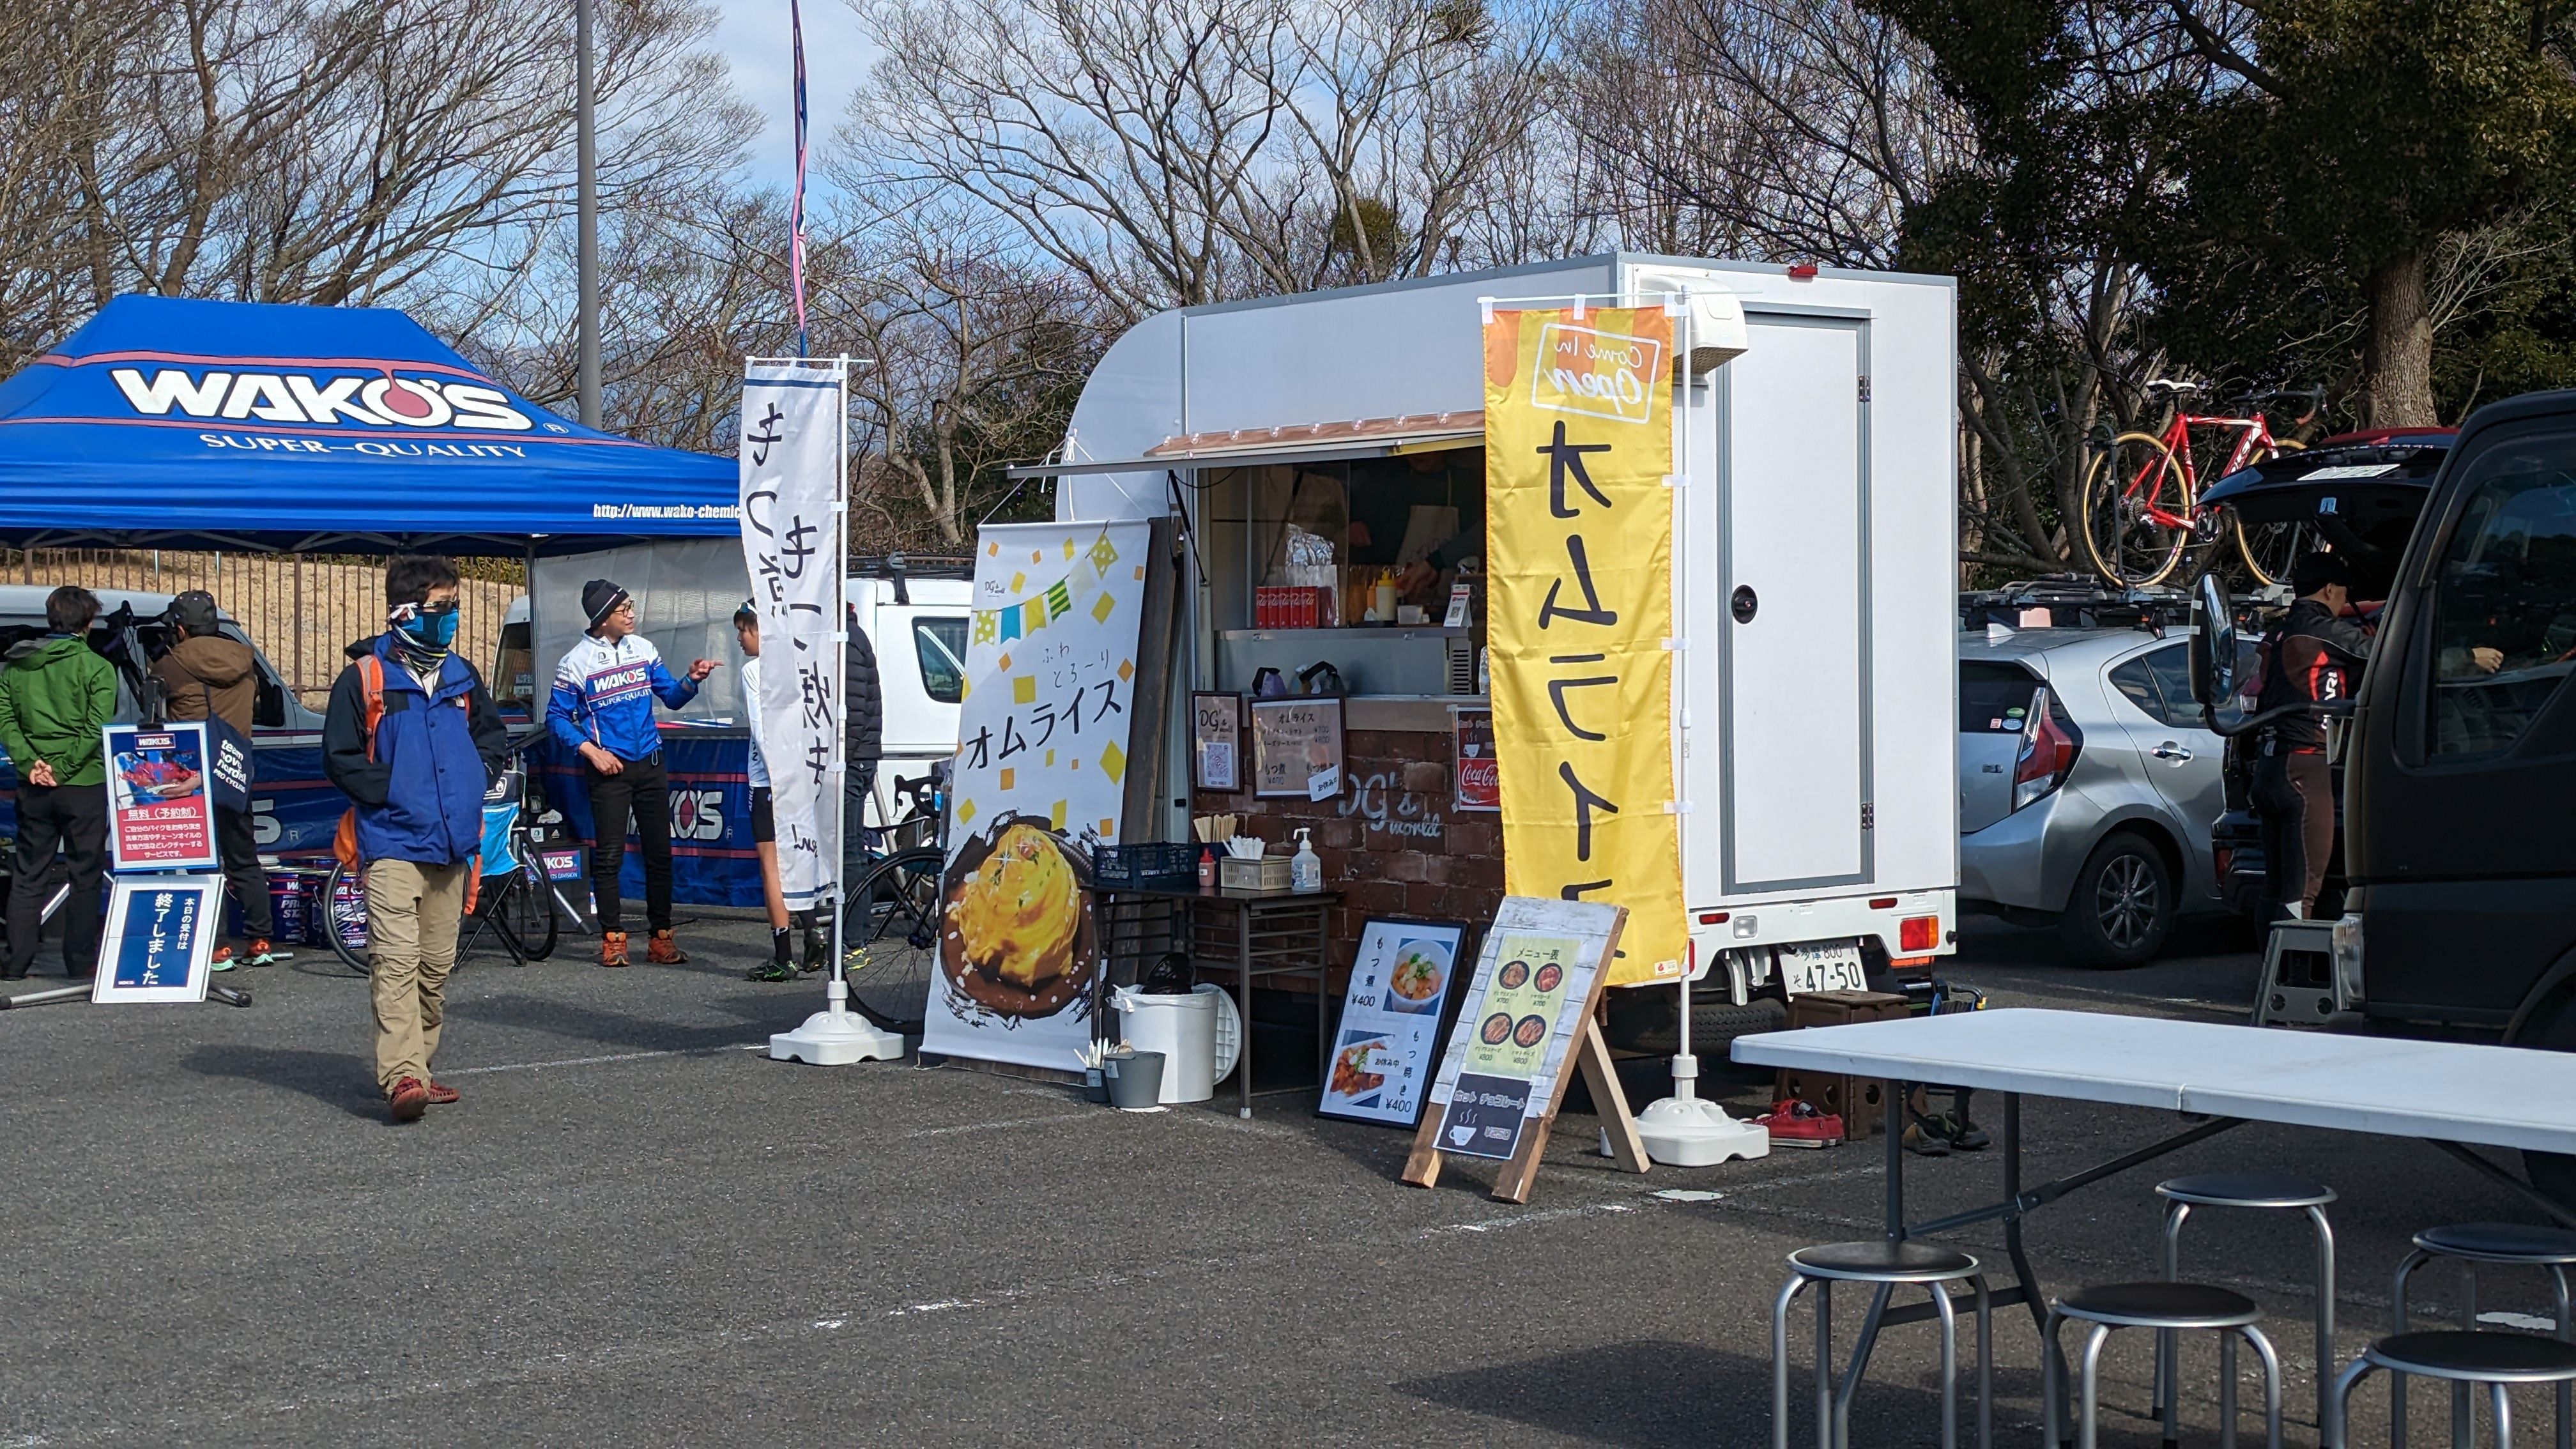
[[637, 1230]]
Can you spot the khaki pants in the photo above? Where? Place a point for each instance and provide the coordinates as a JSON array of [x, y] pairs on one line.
[[412, 912]]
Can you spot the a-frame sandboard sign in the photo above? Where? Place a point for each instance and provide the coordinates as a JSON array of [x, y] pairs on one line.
[[1534, 1003]]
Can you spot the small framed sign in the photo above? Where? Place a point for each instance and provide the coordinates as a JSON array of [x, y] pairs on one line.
[[1401, 986], [159, 944], [160, 813], [1297, 747], [1216, 741]]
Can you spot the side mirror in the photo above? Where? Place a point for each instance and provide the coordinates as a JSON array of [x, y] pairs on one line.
[[2213, 646]]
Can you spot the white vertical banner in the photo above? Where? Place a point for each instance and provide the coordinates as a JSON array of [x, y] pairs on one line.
[[1042, 751], [792, 534]]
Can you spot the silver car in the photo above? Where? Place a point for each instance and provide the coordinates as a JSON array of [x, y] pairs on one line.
[[2086, 786]]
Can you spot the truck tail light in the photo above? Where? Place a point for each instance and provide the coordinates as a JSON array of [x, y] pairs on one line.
[[1916, 935], [2048, 751]]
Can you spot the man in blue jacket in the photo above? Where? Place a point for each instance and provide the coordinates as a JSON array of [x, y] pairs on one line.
[[412, 739], [602, 708]]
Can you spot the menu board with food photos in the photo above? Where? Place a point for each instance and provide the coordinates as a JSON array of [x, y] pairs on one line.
[[1400, 989], [1529, 1012]]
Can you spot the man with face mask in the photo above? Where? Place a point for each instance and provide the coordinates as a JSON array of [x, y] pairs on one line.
[[412, 739]]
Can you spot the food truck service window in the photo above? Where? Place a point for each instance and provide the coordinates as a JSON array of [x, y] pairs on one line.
[[1361, 563]]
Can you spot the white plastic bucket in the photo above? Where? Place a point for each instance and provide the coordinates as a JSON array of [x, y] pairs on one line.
[[1183, 1029]]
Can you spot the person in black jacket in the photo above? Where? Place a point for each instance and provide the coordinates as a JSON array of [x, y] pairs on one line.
[[863, 743], [2314, 657]]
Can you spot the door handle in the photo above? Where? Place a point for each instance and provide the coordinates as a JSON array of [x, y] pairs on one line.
[[2171, 751], [1744, 604]]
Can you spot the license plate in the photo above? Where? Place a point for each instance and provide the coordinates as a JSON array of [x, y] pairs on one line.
[[1821, 966]]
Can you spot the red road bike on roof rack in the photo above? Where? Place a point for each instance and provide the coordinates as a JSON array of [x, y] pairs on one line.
[[2138, 491]]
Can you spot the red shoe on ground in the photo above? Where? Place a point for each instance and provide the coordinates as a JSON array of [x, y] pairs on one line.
[[410, 1099], [440, 1094], [612, 948], [661, 950], [1796, 1123]]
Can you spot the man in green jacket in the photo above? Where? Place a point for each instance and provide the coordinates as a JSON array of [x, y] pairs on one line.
[[56, 694]]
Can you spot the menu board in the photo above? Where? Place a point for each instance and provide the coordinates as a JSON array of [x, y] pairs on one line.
[[1216, 741], [159, 814], [1536, 984], [1297, 747], [1400, 987]]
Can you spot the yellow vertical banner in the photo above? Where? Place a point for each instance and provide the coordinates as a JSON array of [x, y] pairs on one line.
[[1579, 608]]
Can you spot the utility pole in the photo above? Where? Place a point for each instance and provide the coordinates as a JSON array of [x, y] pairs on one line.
[[587, 160]]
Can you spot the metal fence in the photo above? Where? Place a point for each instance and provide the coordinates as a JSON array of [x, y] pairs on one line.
[[301, 611]]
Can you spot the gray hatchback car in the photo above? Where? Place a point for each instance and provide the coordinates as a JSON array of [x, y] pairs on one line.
[[2086, 787]]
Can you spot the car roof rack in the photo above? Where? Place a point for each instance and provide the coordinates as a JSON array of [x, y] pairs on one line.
[[2073, 601]]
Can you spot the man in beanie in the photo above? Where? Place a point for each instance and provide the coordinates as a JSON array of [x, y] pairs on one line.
[[207, 676], [602, 708]]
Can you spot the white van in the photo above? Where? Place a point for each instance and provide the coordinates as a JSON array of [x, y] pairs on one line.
[[1815, 560]]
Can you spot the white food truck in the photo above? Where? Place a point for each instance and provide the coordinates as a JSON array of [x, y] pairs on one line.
[[1815, 558]]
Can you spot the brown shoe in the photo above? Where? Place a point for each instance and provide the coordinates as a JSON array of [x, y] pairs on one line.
[[612, 948], [661, 950], [440, 1094], [410, 1099]]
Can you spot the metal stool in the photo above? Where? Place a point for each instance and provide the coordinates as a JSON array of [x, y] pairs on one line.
[[2497, 1360], [1886, 1264], [2269, 1191], [2166, 1307], [2514, 1244]]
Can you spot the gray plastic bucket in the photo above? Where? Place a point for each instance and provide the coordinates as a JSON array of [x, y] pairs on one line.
[[1135, 1080]]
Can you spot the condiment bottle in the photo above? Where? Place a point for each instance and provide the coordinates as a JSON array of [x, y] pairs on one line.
[[1207, 866], [1382, 598]]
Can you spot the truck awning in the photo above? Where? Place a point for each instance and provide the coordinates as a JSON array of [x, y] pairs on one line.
[[1298, 443]]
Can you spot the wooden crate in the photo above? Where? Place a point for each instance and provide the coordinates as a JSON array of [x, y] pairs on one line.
[[1840, 1008], [1860, 1101]]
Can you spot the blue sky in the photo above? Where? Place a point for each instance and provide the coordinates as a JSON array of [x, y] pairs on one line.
[[752, 34]]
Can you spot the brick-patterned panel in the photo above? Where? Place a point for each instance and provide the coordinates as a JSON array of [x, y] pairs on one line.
[[1393, 842]]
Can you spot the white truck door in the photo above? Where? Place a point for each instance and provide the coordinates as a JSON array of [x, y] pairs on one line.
[[1793, 602]]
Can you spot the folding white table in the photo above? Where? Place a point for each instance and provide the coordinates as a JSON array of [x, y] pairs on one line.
[[2449, 1094]]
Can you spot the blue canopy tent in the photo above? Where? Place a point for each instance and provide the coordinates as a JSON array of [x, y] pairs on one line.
[[170, 423], [189, 425]]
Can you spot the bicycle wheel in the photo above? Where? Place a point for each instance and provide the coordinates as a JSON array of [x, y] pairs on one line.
[[890, 932], [2126, 488], [529, 910], [344, 917], [2269, 549]]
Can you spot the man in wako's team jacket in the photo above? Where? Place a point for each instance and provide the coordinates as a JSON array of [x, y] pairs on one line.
[[602, 707]]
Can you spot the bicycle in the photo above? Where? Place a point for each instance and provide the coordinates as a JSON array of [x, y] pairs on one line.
[[514, 903], [891, 919], [2138, 515]]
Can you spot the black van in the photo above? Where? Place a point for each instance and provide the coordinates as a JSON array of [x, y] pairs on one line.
[[2460, 771]]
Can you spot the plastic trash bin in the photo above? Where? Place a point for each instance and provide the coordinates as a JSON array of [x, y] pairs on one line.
[[1183, 1029]]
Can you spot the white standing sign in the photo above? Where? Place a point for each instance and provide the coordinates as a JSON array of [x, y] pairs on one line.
[[1043, 739], [792, 543]]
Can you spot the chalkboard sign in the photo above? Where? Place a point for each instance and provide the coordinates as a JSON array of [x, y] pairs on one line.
[[1297, 748]]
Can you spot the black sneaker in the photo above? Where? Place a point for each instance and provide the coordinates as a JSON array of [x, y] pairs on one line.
[[773, 971]]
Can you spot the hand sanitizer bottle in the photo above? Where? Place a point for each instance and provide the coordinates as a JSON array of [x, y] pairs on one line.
[[1306, 868]]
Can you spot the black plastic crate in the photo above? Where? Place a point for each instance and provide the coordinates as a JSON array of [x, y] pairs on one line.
[[1154, 865]]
